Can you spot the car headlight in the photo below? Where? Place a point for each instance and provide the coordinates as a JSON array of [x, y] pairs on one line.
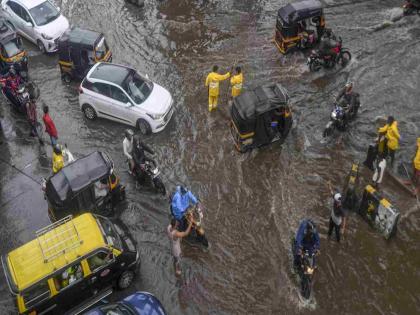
[[45, 36], [155, 116]]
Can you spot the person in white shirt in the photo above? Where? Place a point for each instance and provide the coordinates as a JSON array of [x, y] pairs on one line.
[[128, 148]]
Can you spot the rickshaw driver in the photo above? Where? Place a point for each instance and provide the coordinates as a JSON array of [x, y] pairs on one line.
[[180, 203]]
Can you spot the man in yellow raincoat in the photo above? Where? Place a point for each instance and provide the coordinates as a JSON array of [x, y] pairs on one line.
[[236, 82], [392, 135], [212, 82], [57, 159]]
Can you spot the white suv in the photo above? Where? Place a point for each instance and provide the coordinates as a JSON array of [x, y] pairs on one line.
[[40, 21], [121, 94]]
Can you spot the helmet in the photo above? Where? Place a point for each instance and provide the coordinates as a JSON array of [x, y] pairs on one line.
[[337, 197], [128, 133], [310, 228], [349, 85], [57, 149]]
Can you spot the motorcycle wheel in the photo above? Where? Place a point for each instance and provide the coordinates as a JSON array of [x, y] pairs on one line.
[[160, 187], [327, 132], [306, 287], [344, 58], [329, 64], [314, 66]]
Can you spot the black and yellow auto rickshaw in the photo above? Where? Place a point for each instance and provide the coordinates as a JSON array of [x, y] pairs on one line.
[[299, 25], [11, 49], [260, 116], [88, 184], [79, 50], [370, 204]]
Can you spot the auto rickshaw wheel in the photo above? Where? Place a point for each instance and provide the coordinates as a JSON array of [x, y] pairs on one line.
[[126, 279], [144, 127], [66, 77], [41, 46], [89, 112]]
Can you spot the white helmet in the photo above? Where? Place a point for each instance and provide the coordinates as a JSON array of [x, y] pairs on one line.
[[337, 197]]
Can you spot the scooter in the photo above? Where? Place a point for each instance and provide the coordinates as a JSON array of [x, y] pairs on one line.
[[305, 271], [148, 171]]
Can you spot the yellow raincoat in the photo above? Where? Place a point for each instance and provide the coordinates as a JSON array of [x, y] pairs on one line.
[[212, 82], [417, 157], [236, 82], [58, 162], [391, 134]]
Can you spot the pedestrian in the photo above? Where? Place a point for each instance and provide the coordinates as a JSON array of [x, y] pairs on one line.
[[236, 82], [57, 159], [392, 136], [50, 126], [175, 237], [33, 120], [212, 82], [337, 217]]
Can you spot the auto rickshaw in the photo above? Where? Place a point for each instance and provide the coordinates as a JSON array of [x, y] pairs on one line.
[[370, 204], [79, 50], [299, 25], [260, 116], [11, 49], [88, 184]]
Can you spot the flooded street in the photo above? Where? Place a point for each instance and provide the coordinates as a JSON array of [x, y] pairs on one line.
[[254, 201]]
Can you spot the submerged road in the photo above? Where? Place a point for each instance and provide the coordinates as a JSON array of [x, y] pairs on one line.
[[254, 201]]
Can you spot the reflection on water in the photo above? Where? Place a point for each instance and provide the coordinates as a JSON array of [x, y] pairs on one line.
[[253, 201]]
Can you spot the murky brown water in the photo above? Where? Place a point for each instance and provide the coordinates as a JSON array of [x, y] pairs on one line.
[[254, 201]]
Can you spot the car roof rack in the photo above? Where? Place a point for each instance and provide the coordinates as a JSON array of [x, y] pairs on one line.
[[58, 238]]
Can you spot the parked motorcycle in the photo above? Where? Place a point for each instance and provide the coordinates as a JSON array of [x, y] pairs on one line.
[[151, 173], [342, 57], [409, 8]]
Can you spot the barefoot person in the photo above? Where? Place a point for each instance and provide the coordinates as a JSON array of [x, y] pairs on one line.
[[175, 237]]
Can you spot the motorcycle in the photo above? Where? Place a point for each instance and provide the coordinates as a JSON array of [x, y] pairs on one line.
[[305, 271], [342, 57], [21, 95], [409, 8], [150, 172], [338, 120], [197, 234]]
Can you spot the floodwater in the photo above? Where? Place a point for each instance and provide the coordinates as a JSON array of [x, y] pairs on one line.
[[254, 201]]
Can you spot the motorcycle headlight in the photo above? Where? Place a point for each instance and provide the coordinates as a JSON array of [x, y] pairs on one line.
[[45, 36], [334, 115], [155, 116]]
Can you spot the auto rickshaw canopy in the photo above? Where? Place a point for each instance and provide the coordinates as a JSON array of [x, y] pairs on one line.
[[6, 32], [298, 11], [75, 177], [253, 105], [78, 38]]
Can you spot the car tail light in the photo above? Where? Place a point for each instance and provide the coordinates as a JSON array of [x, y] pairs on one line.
[[80, 89]]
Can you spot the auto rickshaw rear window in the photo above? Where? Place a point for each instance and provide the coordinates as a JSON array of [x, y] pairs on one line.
[[36, 294], [12, 48]]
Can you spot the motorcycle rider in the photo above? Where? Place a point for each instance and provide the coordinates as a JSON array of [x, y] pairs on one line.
[[349, 98], [139, 155], [307, 239], [13, 81], [180, 202], [128, 148], [327, 44]]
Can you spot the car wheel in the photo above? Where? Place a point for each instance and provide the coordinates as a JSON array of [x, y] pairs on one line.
[[41, 46], [66, 78], [89, 112], [125, 280], [144, 127]]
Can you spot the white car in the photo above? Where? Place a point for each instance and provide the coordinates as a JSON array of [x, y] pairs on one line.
[[121, 94], [40, 21]]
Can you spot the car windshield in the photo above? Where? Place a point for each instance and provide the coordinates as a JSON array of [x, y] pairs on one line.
[[12, 48], [101, 49], [44, 13], [138, 88], [111, 236]]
